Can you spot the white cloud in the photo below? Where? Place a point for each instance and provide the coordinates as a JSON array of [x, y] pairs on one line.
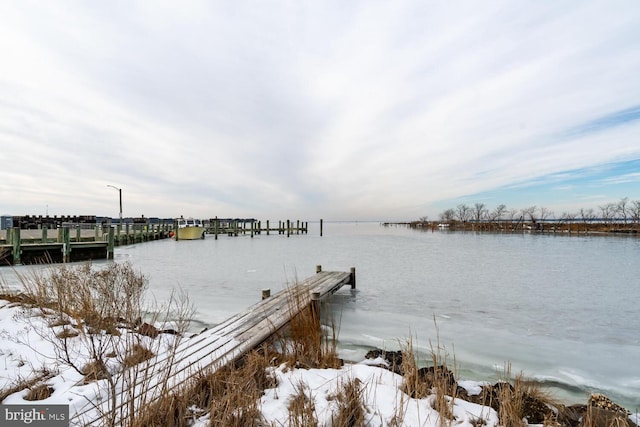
[[359, 110]]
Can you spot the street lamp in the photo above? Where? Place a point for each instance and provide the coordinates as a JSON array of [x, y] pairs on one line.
[[120, 194]]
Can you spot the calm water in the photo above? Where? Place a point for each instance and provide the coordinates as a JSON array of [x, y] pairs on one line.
[[561, 309]]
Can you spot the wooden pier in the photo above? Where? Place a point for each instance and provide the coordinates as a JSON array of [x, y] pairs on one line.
[[221, 345], [86, 241], [73, 243], [252, 227]]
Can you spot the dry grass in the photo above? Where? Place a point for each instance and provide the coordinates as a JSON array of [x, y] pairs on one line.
[[436, 380], [302, 410], [98, 300], [170, 410], [350, 406], [137, 354], [67, 333], [94, 371], [442, 381], [230, 395], [518, 400], [39, 391], [236, 393], [25, 384], [412, 385], [305, 344]]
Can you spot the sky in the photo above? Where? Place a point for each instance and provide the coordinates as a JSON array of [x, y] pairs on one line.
[[362, 110]]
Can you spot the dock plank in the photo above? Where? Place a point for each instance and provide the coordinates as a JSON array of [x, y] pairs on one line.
[[222, 344]]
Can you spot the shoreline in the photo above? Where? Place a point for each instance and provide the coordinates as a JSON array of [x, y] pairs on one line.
[[472, 395]]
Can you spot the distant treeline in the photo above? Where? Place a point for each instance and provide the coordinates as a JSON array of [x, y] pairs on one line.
[[623, 215]]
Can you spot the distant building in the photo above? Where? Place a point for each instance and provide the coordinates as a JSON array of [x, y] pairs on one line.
[[6, 222]]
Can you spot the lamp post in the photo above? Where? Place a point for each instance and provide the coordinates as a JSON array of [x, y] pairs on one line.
[[120, 194]]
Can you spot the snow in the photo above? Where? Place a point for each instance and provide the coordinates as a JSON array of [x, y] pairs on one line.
[[25, 351]]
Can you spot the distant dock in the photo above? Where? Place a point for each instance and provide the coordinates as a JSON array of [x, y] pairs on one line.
[[252, 227], [72, 242]]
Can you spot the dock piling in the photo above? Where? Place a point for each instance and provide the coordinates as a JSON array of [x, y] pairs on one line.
[[110, 244], [16, 241]]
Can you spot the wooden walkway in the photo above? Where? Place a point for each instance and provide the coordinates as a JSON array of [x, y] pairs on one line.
[[219, 346], [69, 244]]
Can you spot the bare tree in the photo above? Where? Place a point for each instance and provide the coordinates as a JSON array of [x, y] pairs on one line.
[[448, 215], [545, 213], [497, 213], [635, 211], [587, 216], [529, 212], [463, 212], [622, 209], [567, 218], [479, 212], [608, 212]]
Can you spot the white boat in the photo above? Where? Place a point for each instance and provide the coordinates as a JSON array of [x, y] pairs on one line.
[[189, 229]]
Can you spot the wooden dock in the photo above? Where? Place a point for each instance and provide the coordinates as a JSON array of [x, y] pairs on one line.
[[252, 227], [220, 345], [73, 243]]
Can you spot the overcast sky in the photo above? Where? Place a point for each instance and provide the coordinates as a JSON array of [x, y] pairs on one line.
[[339, 110]]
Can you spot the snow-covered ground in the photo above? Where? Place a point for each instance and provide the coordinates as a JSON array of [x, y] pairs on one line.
[[27, 351]]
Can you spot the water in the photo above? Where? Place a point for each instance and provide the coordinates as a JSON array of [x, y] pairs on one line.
[[561, 309]]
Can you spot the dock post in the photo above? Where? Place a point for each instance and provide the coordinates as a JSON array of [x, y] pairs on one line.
[[16, 241], [111, 244], [267, 227], [78, 233], [97, 233], [315, 307], [216, 227], [44, 234], [66, 244], [288, 227], [318, 269], [252, 227], [266, 293], [320, 227], [353, 278]]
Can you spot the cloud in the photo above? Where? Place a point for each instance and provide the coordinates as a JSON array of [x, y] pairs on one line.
[[359, 110], [609, 121]]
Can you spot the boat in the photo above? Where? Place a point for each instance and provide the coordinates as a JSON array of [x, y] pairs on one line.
[[189, 229]]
